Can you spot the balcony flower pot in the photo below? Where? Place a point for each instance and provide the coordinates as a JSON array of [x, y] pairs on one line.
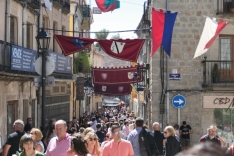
[[215, 73], [231, 7]]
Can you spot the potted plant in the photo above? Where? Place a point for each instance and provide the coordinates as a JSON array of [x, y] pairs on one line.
[[231, 7], [215, 73]]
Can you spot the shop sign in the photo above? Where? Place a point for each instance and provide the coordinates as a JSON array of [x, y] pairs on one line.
[[218, 101], [23, 59]]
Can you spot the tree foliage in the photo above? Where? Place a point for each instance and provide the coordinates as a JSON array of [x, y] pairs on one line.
[[102, 34], [116, 37], [81, 63]]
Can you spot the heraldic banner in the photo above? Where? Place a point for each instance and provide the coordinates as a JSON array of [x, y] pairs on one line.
[[113, 90], [115, 75]]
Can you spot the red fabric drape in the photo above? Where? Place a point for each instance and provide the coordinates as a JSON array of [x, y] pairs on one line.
[[114, 75], [71, 45], [113, 90], [127, 50]]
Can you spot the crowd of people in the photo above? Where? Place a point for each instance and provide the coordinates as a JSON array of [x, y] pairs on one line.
[[110, 132]]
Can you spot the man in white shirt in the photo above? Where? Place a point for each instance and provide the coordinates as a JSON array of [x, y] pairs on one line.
[[126, 129]]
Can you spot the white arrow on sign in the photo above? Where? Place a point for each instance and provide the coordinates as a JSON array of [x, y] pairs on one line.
[[180, 101]]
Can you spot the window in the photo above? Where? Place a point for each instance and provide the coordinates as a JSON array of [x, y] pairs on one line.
[[13, 30], [29, 36], [225, 52]]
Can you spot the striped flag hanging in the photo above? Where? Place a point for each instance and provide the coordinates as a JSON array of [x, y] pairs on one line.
[[210, 31]]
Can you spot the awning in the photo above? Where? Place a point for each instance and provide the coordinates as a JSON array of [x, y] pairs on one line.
[[110, 103]]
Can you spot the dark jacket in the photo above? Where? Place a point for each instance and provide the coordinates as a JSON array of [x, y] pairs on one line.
[[172, 146], [147, 143]]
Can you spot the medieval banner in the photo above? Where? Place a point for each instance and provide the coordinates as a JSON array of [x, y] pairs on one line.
[[127, 50], [113, 90], [115, 75]]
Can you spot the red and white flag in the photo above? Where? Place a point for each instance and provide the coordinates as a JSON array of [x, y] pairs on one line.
[[210, 31]]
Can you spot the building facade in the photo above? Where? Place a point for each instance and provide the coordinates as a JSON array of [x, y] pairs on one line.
[[203, 91], [20, 97]]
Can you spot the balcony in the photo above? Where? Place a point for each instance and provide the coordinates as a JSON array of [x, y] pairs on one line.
[[33, 4], [66, 7], [218, 72], [225, 7], [85, 11], [58, 4]]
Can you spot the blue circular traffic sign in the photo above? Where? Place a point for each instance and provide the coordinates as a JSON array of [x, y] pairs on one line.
[[178, 101]]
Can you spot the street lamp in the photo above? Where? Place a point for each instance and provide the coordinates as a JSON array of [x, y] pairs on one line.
[[43, 41]]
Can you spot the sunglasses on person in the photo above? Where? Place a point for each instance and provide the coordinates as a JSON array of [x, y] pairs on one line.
[[118, 132], [165, 132], [107, 136], [92, 139]]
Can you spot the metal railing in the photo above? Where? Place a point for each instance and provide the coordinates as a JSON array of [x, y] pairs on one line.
[[218, 72], [224, 7], [5, 54]]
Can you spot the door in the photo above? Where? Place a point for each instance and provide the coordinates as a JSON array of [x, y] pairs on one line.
[[226, 65], [12, 115]]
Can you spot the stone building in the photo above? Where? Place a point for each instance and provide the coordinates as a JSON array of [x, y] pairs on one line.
[[203, 94], [19, 97]]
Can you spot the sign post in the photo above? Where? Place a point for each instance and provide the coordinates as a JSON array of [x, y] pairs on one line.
[[178, 101]]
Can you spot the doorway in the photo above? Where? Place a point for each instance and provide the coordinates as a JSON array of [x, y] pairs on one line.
[[12, 115]]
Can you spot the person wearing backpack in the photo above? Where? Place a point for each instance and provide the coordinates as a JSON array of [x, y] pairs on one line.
[[142, 140], [172, 144]]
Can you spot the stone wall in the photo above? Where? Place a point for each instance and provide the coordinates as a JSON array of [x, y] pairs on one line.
[[187, 31]]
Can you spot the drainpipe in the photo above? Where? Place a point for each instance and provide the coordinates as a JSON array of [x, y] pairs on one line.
[[23, 22], [167, 79], [6, 30]]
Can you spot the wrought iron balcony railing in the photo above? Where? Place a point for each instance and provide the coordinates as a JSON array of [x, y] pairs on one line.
[[58, 3], [218, 72], [85, 11], [34, 4], [66, 7], [225, 7]]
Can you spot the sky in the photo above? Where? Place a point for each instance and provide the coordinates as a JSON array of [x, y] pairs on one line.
[[127, 17]]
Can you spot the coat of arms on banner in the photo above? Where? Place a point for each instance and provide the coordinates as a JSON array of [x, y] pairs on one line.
[[104, 76], [130, 75], [121, 88], [117, 47], [104, 88]]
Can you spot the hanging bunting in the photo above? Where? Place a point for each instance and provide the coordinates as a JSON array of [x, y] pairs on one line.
[[162, 28], [71, 45], [108, 5], [113, 90], [210, 31], [127, 50], [115, 75]]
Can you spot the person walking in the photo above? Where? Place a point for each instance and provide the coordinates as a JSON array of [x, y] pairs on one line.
[[78, 146], [27, 147], [92, 144], [37, 136], [117, 146], [100, 133], [158, 137], [12, 144], [28, 125], [211, 136], [172, 144], [126, 129], [142, 140], [59, 145], [185, 131]]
